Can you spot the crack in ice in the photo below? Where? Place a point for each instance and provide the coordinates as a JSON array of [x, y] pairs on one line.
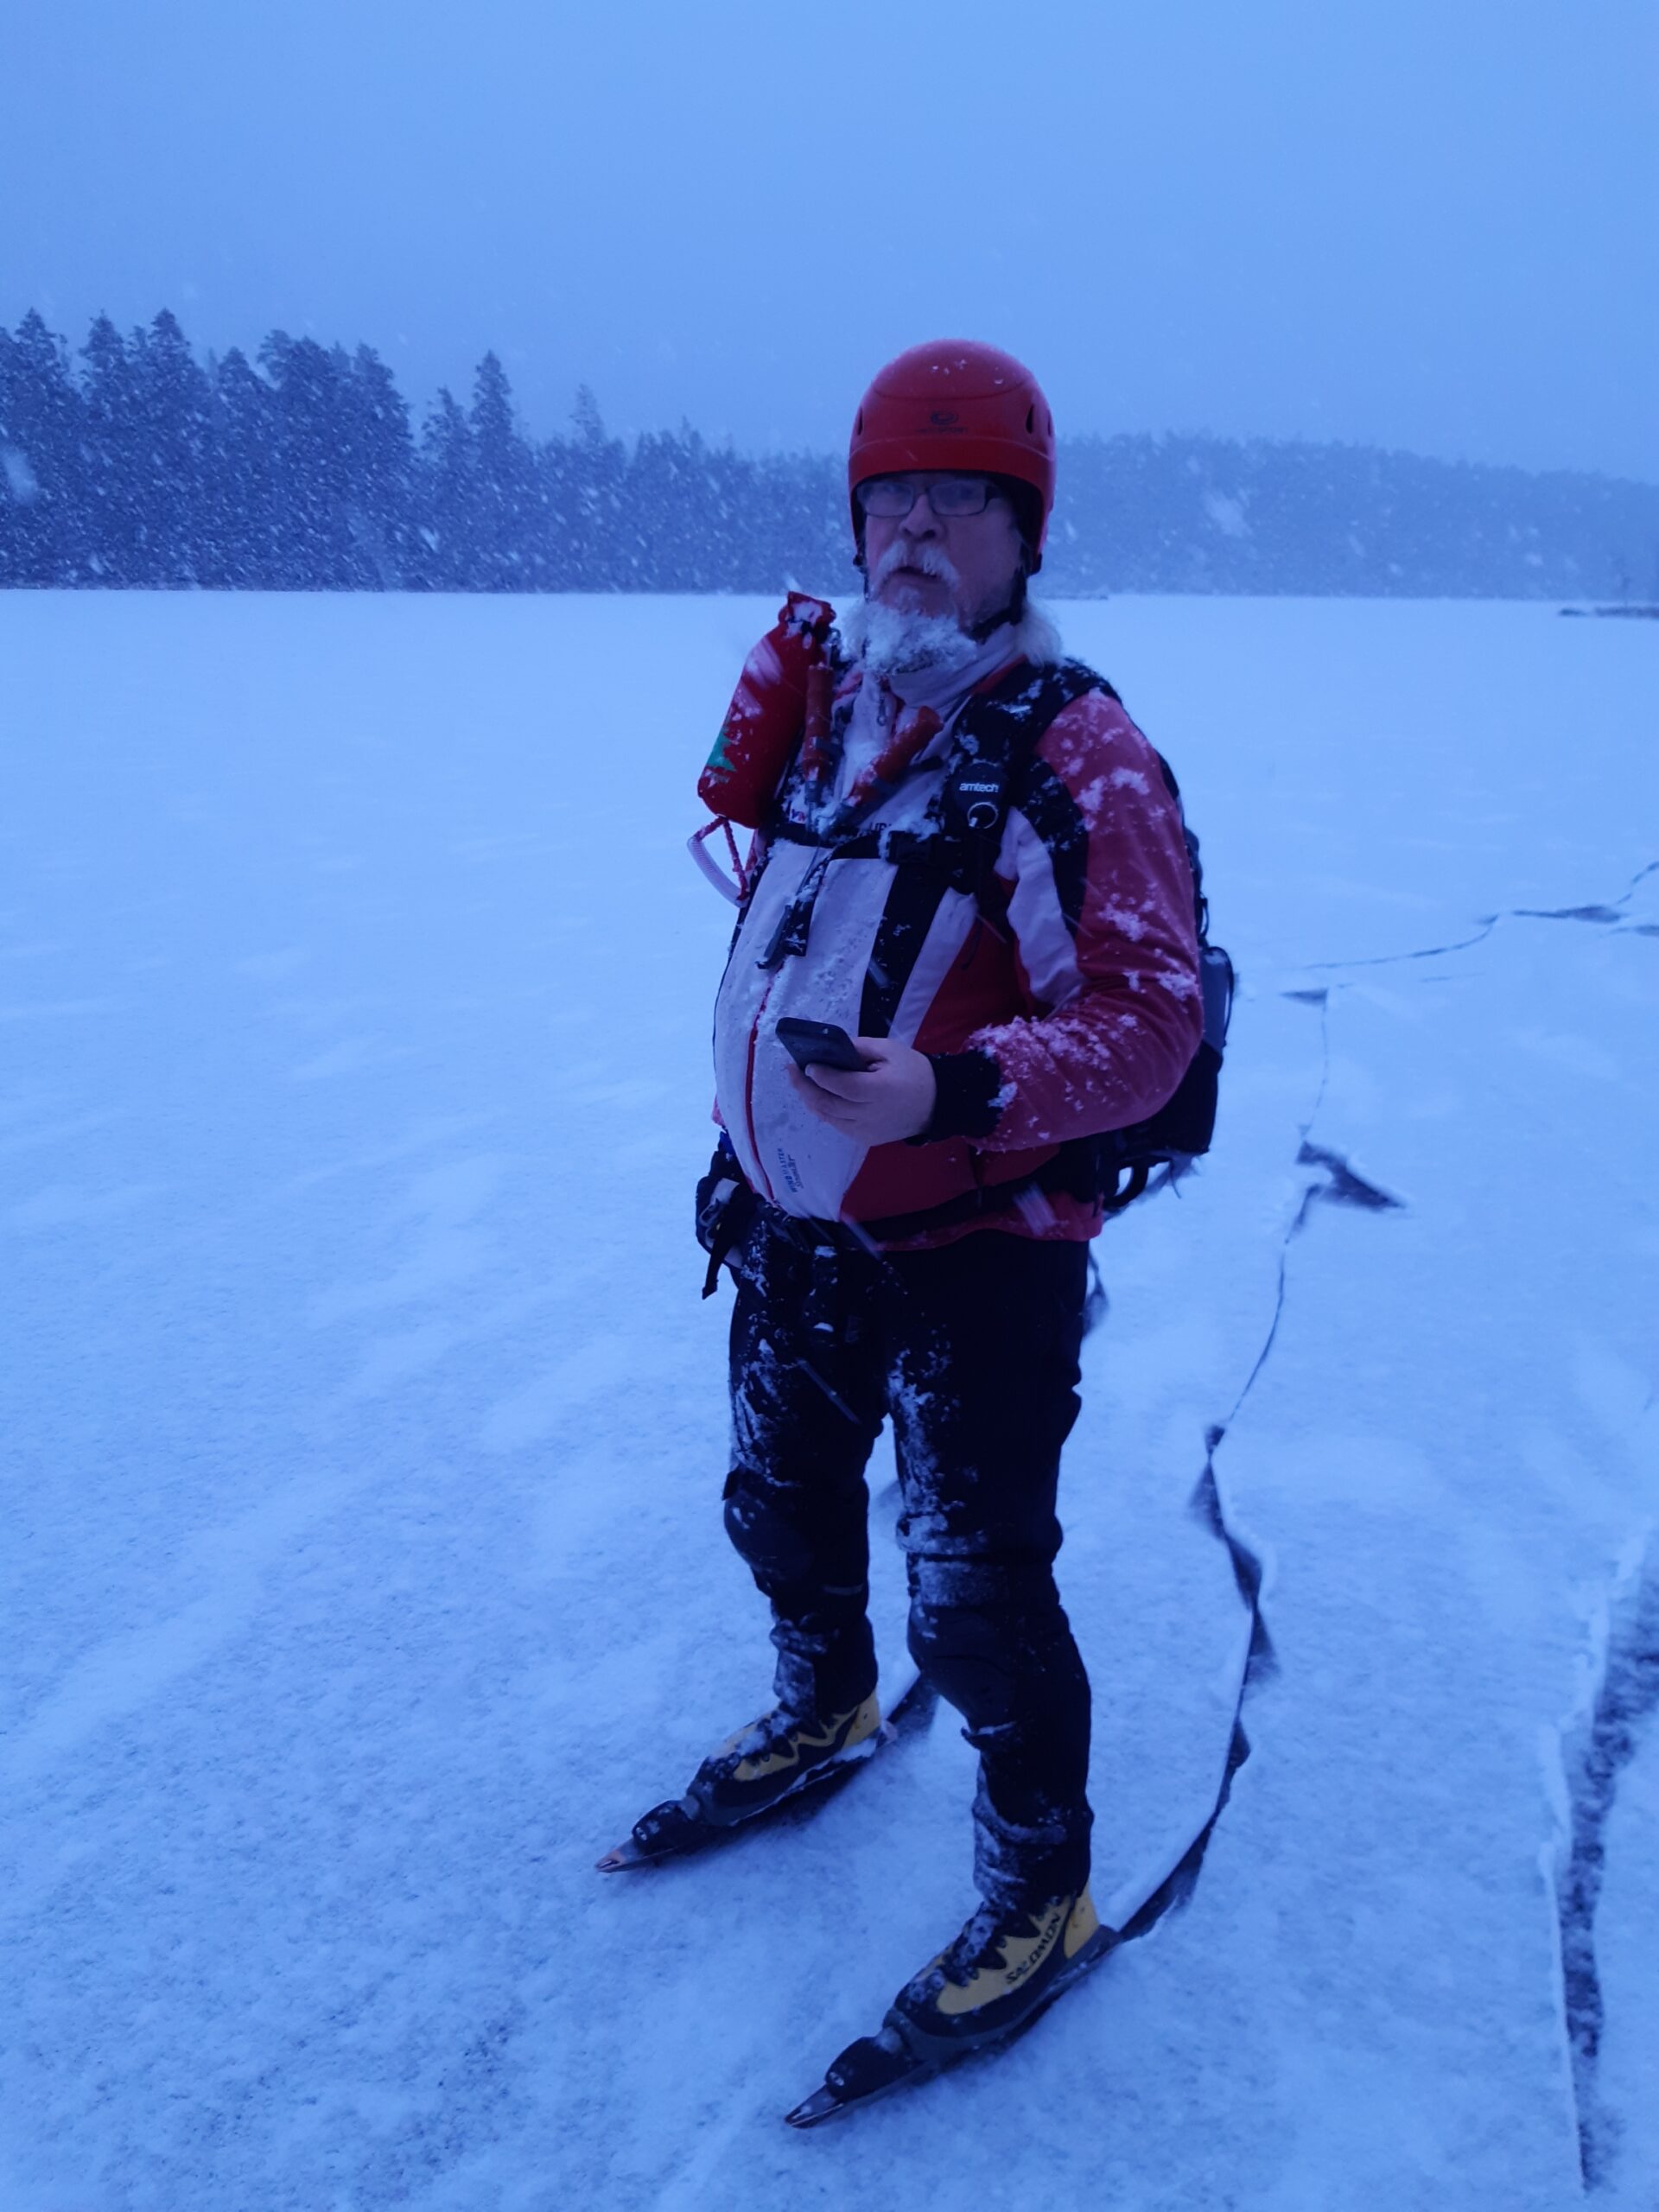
[[1607, 914], [1341, 1186], [1594, 1749]]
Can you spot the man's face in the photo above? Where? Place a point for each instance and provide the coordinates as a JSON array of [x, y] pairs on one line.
[[962, 565]]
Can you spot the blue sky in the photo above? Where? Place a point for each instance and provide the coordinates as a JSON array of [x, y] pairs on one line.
[[1429, 223]]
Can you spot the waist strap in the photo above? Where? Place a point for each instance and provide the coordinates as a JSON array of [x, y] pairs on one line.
[[1071, 1169]]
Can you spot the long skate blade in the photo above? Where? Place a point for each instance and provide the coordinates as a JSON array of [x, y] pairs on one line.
[[873, 2067], [902, 2054], [911, 1709], [668, 1831], [908, 1709], [679, 1827], [625, 1856]]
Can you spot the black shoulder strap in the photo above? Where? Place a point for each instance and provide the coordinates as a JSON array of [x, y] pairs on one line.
[[996, 733], [994, 737]]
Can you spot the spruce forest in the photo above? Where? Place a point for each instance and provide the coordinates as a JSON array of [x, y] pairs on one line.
[[135, 464]]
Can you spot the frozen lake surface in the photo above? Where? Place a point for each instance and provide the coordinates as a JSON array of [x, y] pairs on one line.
[[363, 1434]]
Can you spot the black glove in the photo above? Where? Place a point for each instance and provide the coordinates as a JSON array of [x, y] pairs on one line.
[[726, 1208]]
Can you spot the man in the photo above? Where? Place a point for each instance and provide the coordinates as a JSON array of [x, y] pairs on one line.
[[909, 1238]]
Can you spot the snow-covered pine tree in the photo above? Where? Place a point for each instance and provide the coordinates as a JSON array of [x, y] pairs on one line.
[[45, 530]]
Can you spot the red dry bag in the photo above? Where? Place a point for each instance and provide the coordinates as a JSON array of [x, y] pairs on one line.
[[782, 700]]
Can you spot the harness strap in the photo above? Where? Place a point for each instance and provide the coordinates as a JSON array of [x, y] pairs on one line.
[[963, 828], [995, 737]]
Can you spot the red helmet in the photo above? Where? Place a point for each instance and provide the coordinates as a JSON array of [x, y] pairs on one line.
[[955, 405]]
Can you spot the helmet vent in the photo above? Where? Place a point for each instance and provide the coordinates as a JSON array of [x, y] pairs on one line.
[[961, 406]]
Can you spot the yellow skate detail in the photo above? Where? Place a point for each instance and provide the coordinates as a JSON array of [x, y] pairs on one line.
[[1084, 1922], [865, 1719], [1021, 1956]]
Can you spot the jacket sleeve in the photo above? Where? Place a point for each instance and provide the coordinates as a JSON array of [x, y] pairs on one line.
[[1100, 907]]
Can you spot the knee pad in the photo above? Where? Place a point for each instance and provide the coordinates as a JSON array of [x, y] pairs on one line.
[[965, 1656], [765, 1539], [973, 1624]]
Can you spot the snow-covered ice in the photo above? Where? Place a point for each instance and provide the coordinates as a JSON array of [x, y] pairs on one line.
[[364, 1434]]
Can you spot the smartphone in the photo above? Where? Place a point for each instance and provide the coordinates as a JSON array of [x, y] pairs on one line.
[[823, 1044]]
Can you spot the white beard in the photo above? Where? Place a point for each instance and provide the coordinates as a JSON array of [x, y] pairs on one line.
[[894, 641], [887, 642]]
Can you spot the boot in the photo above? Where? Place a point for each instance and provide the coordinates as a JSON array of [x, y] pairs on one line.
[[778, 1754], [1002, 1970], [752, 1771]]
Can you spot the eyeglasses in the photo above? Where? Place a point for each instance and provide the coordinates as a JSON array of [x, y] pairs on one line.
[[892, 496]]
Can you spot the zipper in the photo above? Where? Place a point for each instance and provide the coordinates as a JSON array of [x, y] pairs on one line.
[[748, 1092]]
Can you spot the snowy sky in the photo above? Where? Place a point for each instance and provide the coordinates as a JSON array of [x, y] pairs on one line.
[[1428, 223]]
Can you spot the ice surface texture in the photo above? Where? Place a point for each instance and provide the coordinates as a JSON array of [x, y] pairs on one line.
[[365, 1434]]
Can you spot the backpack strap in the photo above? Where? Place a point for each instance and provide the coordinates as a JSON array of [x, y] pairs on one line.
[[997, 732], [996, 735]]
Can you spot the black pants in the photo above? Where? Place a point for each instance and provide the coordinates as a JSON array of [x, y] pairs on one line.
[[972, 1348]]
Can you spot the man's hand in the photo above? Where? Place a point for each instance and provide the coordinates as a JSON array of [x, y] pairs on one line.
[[891, 1098]]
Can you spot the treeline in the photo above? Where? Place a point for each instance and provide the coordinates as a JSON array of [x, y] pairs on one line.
[[134, 464], [141, 466]]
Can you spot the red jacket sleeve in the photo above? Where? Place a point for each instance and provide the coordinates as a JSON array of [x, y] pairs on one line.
[[1100, 907]]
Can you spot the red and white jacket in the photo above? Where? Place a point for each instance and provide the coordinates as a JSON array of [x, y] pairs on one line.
[[1065, 1003]]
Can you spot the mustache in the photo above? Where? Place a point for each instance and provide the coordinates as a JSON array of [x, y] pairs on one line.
[[917, 553]]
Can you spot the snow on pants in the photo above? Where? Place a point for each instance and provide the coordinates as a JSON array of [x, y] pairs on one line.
[[972, 1349]]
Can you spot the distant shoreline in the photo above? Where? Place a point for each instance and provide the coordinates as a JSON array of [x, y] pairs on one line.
[[135, 464]]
